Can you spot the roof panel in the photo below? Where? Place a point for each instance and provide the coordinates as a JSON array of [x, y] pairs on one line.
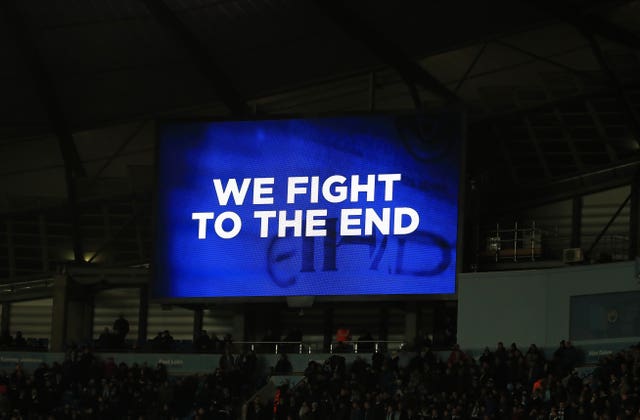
[[428, 27], [137, 93], [65, 13], [104, 47]]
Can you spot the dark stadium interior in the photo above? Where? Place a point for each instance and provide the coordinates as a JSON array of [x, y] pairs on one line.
[[549, 210]]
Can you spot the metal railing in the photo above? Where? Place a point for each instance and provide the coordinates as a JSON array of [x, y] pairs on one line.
[[302, 347], [514, 242], [376, 345]]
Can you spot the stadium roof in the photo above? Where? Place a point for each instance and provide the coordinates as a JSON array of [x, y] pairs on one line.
[[551, 89]]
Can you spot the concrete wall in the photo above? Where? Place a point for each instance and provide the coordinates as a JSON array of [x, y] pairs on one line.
[[531, 306]]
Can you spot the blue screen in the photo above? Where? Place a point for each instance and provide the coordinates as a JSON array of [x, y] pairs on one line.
[[364, 205]]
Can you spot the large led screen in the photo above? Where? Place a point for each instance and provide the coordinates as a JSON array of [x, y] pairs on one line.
[[359, 205]]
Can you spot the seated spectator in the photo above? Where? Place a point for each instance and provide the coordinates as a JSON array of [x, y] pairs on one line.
[[215, 344], [120, 329], [106, 339], [456, 355], [167, 341], [514, 351], [283, 366], [343, 341], [366, 343], [258, 410], [227, 343], [292, 341], [269, 342], [533, 354], [227, 362], [6, 340], [156, 342], [19, 341], [422, 340], [342, 335], [202, 343], [500, 353], [162, 342]]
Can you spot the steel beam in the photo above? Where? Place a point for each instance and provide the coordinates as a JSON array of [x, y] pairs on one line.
[[569, 69], [546, 105], [632, 115], [593, 23], [143, 314], [45, 86], [607, 226], [536, 144], [577, 160], [634, 218], [576, 221], [117, 153], [410, 71], [602, 133], [470, 68], [525, 196], [505, 153], [47, 92], [199, 53]]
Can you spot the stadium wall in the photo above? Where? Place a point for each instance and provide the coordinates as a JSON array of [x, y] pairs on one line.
[[533, 306]]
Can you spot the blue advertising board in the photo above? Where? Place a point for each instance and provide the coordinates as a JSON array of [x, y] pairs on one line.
[[358, 205]]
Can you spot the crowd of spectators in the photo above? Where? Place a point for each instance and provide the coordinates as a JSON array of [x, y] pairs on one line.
[[505, 383], [19, 342], [163, 342], [86, 387], [502, 383]]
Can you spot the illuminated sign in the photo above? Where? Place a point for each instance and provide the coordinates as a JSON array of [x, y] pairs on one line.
[[363, 205]]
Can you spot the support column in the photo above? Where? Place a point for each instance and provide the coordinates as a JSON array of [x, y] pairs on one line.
[[250, 323], [143, 315], [634, 218], [44, 245], [11, 253], [383, 329], [5, 322], [79, 314], [238, 324], [576, 222], [59, 313], [328, 328], [197, 322], [410, 323]]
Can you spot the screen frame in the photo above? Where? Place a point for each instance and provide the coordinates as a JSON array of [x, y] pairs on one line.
[[452, 110]]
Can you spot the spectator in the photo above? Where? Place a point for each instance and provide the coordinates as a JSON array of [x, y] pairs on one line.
[[292, 341], [105, 340], [258, 410], [227, 343], [343, 341], [227, 362], [215, 343], [157, 342], [421, 341], [6, 340], [121, 329], [162, 342], [202, 343], [283, 366], [501, 353], [167, 341], [19, 341], [269, 342], [456, 355], [366, 343]]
